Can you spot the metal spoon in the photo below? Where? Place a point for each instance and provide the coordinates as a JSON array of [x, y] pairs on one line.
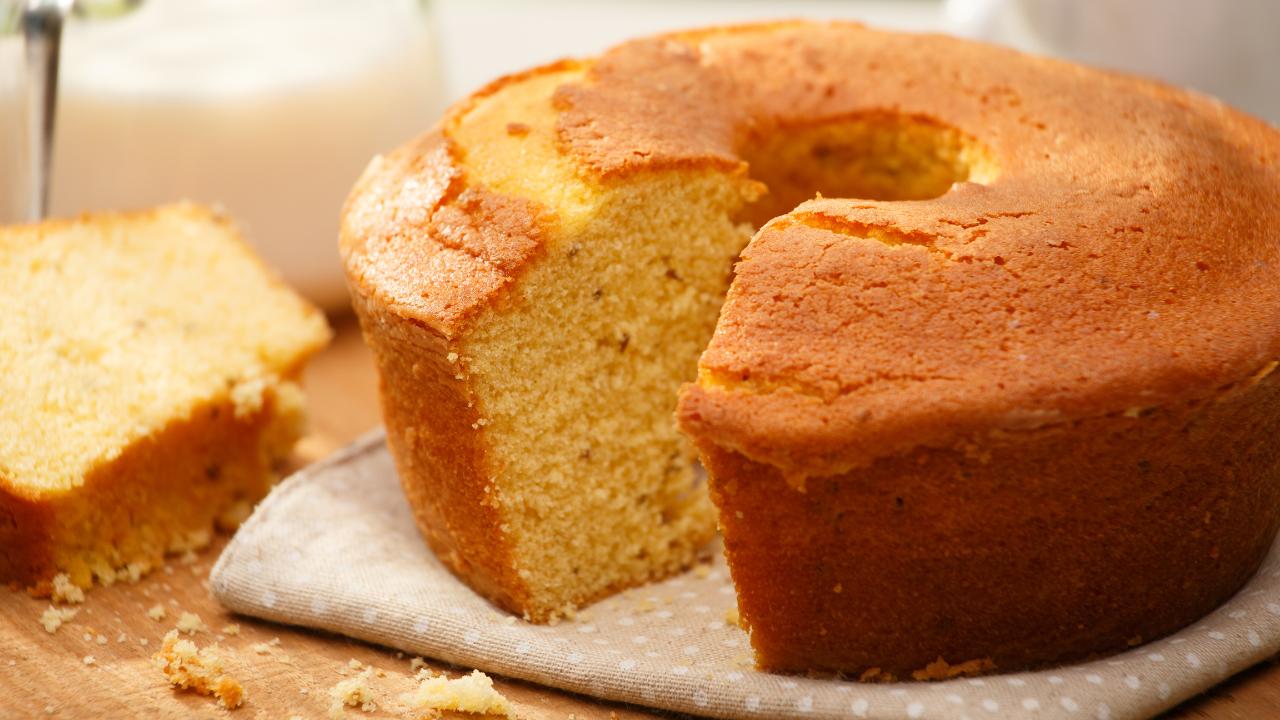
[[42, 22]]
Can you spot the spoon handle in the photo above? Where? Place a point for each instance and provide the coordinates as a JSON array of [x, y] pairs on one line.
[[42, 22]]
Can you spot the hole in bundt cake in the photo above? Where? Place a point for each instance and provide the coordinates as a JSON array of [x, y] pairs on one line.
[[872, 156]]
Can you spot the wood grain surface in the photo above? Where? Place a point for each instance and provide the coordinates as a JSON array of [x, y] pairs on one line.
[[45, 675]]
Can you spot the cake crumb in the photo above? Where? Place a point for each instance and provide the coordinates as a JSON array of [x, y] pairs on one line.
[[472, 693], [942, 670], [65, 591], [355, 664], [101, 639], [199, 669], [876, 675], [732, 617], [157, 612], [142, 642], [262, 648], [135, 570], [190, 623], [417, 663], [235, 515], [248, 396], [232, 629], [55, 617], [89, 660], [122, 638], [352, 692]]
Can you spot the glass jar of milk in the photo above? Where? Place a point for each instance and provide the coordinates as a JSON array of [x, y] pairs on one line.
[[268, 109]]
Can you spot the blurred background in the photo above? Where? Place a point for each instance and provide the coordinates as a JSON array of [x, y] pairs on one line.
[[272, 108]]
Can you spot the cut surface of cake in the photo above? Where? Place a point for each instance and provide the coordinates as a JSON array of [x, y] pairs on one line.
[[991, 387], [148, 389], [533, 432]]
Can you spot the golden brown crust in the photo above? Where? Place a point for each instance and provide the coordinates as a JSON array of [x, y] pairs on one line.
[[1074, 284], [1028, 548], [431, 417], [427, 243], [25, 529], [425, 250], [153, 498]]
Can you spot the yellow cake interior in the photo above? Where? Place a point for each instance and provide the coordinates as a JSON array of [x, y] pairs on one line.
[[575, 370]]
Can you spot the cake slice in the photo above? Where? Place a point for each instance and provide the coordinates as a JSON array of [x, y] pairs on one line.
[[148, 389]]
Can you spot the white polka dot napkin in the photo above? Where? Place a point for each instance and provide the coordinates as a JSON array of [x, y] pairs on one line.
[[334, 547]]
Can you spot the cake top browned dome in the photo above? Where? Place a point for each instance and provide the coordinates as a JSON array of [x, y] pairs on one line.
[[1123, 256], [1109, 243]]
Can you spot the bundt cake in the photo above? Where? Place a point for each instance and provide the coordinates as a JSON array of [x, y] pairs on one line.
[[148, 390], [992, 386]]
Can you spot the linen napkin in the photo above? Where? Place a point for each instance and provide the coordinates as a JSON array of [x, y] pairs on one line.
[[335, 547]]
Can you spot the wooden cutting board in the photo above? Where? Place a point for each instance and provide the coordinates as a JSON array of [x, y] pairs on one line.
[[44, 675]]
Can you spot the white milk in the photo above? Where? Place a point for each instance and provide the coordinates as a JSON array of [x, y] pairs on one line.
[[270, 109], [13, 157]]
